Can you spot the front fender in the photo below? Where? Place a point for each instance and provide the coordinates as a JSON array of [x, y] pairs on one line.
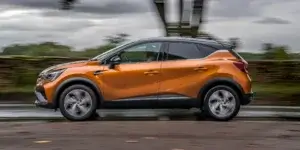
[[72, 81]]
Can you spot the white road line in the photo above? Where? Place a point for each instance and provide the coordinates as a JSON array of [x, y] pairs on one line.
[[271, 107], [263, 121]]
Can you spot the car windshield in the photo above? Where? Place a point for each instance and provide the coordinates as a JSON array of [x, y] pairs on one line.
[[103, 55]]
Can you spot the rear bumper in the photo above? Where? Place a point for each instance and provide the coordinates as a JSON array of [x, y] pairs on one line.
[[247, 98], [41, 100]]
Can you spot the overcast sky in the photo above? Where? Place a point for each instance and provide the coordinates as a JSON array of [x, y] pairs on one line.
[[253, 21]]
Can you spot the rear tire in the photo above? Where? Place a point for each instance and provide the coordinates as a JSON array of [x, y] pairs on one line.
[[221, 103], [78, 103]]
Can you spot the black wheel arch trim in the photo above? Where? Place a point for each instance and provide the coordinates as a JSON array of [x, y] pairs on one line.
[[75, 80], [221, 81]]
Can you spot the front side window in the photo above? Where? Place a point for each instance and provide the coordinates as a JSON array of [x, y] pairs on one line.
[[182, 50], [145, 52]]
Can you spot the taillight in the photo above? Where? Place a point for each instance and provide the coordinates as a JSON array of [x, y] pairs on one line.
[[243, 66]]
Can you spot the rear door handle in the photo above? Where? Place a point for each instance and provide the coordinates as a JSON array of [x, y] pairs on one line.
[[200, 69]]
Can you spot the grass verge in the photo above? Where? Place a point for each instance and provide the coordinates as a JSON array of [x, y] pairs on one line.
[[279, 88]]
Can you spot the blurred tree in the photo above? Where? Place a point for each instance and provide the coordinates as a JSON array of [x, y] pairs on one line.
[[67, 4], [91, 52], [56, 49], [281, 53], [267, 47], [275, 52], [113, 41], [42, 49], [235, 42], [14, 49], [252, 56], [117, 39]]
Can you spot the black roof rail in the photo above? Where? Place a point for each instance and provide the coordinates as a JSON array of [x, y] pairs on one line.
[[225, 44]]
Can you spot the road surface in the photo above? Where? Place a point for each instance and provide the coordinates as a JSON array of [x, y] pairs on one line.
[[150, 135], [29, 112]]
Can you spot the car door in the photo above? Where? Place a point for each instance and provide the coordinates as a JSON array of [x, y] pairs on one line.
[[137, 76], [183, 71]]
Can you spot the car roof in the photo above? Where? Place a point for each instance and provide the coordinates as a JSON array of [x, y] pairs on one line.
[[211, 43]]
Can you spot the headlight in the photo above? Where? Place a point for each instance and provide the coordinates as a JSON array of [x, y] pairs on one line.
[[51, 76]]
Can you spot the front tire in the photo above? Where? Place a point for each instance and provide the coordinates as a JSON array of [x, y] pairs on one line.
[[78, 103], [221, 103]]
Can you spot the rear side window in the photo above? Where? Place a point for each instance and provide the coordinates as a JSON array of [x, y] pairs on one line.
[[181, 50], [206, 50]]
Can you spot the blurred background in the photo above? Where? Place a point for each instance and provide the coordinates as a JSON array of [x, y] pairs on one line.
[[35, 34]]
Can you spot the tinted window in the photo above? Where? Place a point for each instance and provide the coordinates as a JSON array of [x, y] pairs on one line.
[[206, 50], [141, 53], [183, 51]]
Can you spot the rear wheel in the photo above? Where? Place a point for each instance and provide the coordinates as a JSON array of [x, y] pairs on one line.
[[221, 103], [78, 103]]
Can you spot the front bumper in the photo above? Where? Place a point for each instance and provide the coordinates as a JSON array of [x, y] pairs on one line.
[[41, 100], [247, 98]]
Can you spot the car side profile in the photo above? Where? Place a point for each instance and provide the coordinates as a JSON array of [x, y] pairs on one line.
[[153, 73]]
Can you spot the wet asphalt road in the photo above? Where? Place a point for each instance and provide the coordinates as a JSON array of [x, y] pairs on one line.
[[182, 133], [150, 135], [23, 111]]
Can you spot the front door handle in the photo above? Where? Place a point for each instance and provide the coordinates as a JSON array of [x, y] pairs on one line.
[[151, 72], [97, 72], [200, 69]]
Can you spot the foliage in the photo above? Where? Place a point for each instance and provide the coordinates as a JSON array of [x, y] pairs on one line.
[[270, 51], [235, 42], [67, 4], [117, 39], [42, 49], [91, 52], [251, 56], [267, 47], [275, 52], [55, 49]]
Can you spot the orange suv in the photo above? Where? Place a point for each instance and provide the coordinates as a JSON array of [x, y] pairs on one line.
[[150, 73]]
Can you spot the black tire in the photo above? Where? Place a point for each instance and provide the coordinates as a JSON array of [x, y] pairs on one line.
[[207, 112], [93, 106]]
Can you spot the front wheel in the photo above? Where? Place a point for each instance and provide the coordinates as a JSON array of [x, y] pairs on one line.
[[221, 103], [78, 103]]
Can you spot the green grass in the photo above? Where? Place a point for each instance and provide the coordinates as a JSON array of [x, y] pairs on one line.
[[279, 88], [23, 89]]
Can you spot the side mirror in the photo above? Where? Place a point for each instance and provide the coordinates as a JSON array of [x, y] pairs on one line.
[[114, 61]]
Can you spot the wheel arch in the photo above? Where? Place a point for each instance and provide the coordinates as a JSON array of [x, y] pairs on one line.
[[73, 81], [220, 81]]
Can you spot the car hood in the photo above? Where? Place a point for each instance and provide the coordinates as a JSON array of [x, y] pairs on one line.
[[65, 65]]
